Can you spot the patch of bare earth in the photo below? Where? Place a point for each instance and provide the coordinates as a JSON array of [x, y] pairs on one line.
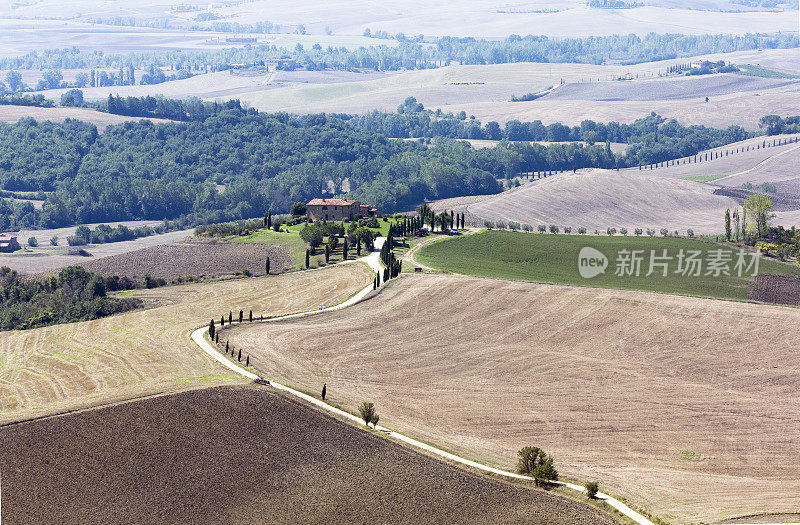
[[687, 407], [197, 258], [245, 455]]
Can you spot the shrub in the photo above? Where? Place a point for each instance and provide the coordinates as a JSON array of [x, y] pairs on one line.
[[527, 227], [33, 242], [582, 230], [664, 232], [367, 411], [533, 461], [637, 231], [247, 273], [54, 240], [542, 228], [591, 489], [553, 228], [567, 229], [623, 231]]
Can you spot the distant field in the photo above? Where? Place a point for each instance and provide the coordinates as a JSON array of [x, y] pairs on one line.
[[246, 455], [600, 199], [683, 406], [12, 114], [64, 367], [553, 259]]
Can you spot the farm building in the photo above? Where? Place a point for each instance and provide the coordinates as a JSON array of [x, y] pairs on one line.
[[337, 209], [8, 243]]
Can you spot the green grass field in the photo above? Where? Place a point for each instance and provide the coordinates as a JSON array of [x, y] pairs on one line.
[[704, 178], [554, 259], [758, 71]]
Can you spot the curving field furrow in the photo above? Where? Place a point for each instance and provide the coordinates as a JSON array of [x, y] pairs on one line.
[[684, 406], [64, 367]]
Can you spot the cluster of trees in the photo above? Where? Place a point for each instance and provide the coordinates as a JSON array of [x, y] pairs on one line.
[[104, 233], [775, 125], [189, 109], [411, 54], [651, 139], [534, 462], [75, 294], [229, 164]]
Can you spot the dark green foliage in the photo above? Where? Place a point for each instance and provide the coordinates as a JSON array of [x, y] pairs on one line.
[[592, 487], [308, 258], [211, 329], [248, 360], [240, 355], [227, 347], [534, 462], [327, 253], [267, 266], [344, 249], [297, 209], [75, 294], [324, 390], [222, 321], [312, 234], [241, 315], [251, 316], [367, 411], [230, 317]]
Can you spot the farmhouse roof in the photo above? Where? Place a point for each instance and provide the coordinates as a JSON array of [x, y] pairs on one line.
[[330, 202]]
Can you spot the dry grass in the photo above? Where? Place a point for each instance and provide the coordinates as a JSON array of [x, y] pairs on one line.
[[12, 114], [58, 368], [245, 455], [599, 199], [684, 406]]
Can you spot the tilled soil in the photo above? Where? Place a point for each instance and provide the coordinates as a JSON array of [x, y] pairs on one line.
[[210, 259], [244, 455]]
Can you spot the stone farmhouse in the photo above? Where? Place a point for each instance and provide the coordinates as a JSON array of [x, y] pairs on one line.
[[8, 243], [338, 209]]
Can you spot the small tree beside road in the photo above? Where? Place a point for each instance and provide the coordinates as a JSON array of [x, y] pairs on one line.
[[368, 414]]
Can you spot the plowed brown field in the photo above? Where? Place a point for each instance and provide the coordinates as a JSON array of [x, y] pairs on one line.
[[245, 455], [64, 367], [684, 406]]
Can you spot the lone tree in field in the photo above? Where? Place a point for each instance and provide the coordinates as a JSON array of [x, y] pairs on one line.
[[324, 390], [760, 207], [211, 329], [728, 224], [367, 411], [230, 317], [591, 489], [534, 462], [222, 321]]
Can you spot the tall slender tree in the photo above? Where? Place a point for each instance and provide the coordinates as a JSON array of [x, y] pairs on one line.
[[728, 224]]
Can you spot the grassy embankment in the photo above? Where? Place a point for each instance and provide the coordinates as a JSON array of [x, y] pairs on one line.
[[554, 259]]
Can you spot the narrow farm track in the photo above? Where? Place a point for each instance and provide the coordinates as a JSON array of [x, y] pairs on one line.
[[373, 261]]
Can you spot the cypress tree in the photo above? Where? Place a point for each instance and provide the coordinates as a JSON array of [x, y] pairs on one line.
[[251, 316], [374, 283], [327, 253], [344, 249], [358, 247], [248, 360], [308, 257], [230, 317], [267, 266], [240, 355], [222, 321], [324, 390], [227, 347], [211, 329], [241, 315], [385, 274], [216, 338]]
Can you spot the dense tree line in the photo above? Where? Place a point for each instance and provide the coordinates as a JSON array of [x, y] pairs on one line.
[[409, 54], [191, 108], [237, 164], [775, 125], [73, 295]]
